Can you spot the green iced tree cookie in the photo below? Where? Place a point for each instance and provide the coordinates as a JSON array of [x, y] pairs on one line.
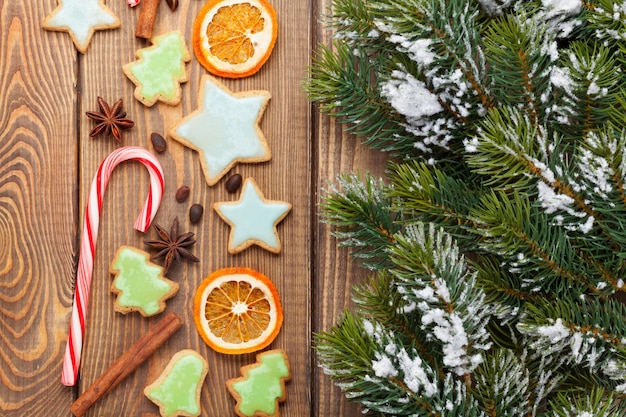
[[262, 385], [139, 284], [160, 70]]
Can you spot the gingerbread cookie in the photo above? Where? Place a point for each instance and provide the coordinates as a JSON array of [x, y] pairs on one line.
[[253, 219], [160, 70], [262, 385], [81, 18], [225, 129], [177, 390], [139, 284]]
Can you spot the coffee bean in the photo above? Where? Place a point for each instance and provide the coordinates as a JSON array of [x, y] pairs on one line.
[[158, 142], [173, 4], [182, 194], [233, 183], [195, 213]]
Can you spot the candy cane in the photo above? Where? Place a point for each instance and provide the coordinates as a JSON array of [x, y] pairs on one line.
[[74, 346]]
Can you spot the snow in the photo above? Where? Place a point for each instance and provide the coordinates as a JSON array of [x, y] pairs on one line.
[[410, 96], [593, 89], [564, 7], [560, 77], [491, 7], [555, 332], [596, 169], [561, 15], [418, 50], [621, 389], [421, 52], [408, 308], [383, 367], [552, 50], [368, 327], [415, 376], [576, 344], [448, 328], [588, 225], [471, 145], [426, 294], [441, 288], [546, 172], [552, 201]]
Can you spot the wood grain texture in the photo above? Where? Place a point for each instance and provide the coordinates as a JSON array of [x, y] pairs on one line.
[[37, 209], [285, 124], [338, 153], [47, 163]]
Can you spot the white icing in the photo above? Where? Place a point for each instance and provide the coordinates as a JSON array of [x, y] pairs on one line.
[[253, 219], [225, 130], [81, 18]]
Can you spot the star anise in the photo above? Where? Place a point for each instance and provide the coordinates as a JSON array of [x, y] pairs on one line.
[[111, 120], [172, 246]]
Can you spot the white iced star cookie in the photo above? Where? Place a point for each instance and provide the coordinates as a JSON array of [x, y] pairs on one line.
[[225, 129], [252, 219], [81, 18]]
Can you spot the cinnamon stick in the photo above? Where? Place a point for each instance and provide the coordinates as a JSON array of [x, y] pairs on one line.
[[147, 16], [128, 362]]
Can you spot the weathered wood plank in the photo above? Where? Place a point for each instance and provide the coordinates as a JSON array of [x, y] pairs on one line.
[[339, 152], [37, 208], [287, 177]]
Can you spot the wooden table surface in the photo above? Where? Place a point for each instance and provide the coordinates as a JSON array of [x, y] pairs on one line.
[[48, 160]]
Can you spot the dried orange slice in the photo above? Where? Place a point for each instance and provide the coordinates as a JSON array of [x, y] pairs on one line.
[[234, 38], [237, 310]]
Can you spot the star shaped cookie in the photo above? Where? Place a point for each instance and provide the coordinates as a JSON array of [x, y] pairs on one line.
[[252, 219], [225, 129], [81, 18]]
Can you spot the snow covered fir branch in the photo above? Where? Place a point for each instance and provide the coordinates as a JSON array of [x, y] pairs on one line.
[[496, 242]]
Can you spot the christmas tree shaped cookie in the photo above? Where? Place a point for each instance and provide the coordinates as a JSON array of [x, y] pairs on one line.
[[177, 390], [139, 284], [262, 385], [160, 70]]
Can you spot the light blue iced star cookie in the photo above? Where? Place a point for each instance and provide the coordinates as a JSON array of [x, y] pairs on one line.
[[252, 219], [225, 129], [81, 18]]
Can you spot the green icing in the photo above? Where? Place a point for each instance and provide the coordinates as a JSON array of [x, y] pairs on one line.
[[139, 283], [180, 389], [262, 388], [160, 67]]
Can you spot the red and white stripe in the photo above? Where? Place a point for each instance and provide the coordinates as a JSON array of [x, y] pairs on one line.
[[132, 3], [74, 347]]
